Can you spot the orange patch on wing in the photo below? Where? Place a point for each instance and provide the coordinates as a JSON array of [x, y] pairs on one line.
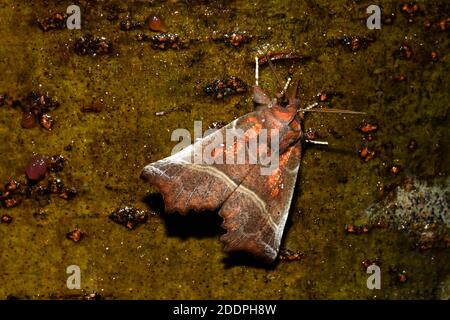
[[274, 182], [285, 157], [252, 119], [253, 132], [295, 125], [216, 152]]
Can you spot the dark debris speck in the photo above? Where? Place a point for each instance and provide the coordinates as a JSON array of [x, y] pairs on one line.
[[68, 194], [128, 24], [92, 296], [356, 229], [352, 43], [56, 163]]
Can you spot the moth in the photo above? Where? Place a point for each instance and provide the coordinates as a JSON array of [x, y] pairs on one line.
[[254, 206]]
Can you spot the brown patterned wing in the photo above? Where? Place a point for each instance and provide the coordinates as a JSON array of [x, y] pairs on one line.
[[186, 185], [256, 212]]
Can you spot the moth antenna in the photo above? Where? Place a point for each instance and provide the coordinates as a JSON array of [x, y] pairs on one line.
[[297, 89], [322, 143]]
